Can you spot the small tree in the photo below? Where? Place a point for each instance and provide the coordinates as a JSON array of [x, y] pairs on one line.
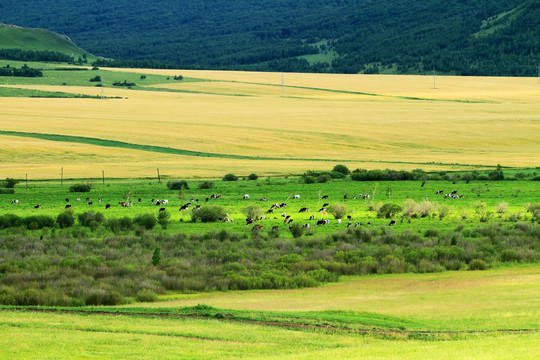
[[388, 210], [341, 169], [230, 177], [65, 219], [10, 183], [253, 177], [156, 256]]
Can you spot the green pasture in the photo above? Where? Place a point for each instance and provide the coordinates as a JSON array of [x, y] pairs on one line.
[[478, 196]]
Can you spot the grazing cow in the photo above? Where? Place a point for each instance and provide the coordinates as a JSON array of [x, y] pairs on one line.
[[38, 206], [206, 200], [78, 200], [197, 206], [325, 205], [68, 206], [99, 200], [325, 197], [162, 209], [249, 221], [283, 214], [185, 206], [296, 197], [90, 203], [306, 226], [282, 205], [16, 201], [349, 217], [153, 200], [369, 223], [246, 197], [339, 221], [354, 197], [263, 199], [270, 211], [257, 227], [290, 221], [356, 225], [107, 206], [439, 192], [304, 209], [392, 222], [139, 200], [67, 200], [87, 199], [262, 217], [349, 224], [321, 222], [322, 209], [312, 217]]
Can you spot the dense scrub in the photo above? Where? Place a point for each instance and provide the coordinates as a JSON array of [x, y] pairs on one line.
[[78, 266]]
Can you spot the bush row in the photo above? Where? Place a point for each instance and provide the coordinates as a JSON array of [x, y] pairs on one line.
[[72, 267]]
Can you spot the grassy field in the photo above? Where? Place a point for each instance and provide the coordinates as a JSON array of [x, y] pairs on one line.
[[385, 317], [212, 123], [322, 118]]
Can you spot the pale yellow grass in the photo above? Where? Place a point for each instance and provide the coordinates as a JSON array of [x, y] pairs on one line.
[[490, 299], [308, 125]]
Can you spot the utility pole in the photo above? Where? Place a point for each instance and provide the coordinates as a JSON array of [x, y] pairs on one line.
[[102, 89], [282, 86], [27, 181], [159, 178], [62, 176], [103, 176]]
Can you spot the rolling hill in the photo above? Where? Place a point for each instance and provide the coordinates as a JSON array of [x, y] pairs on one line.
[[38, 40], [345, 36]]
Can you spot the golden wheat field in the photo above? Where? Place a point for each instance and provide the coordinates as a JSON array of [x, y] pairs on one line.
[[366, 121]]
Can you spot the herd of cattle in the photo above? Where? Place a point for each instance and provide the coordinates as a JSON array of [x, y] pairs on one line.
[[287, 219]]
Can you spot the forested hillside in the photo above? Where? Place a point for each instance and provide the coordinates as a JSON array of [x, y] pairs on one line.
[[482, 37]]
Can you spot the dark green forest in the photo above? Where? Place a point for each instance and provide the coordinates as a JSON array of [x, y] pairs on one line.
[[483, 37]]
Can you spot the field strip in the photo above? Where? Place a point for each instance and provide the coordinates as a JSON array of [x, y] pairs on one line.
[[286, 323], [363, 93], [110, 331], [174, 151]]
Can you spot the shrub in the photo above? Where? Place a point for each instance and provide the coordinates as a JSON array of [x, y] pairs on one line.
[[324, 178], [65, 219], [211, 213], [177, 185], [297, 230], [502, 208], [230, 177], [117, 225], [338, 210], [163, 218], [206, 185], [388, 210], [148, 221], [80, 188], [252, 211], [253, 177], [38, 222], [478, 264], [309, 179], [146, 295], [87, 218], [7, 191], [341, 169], [10, 183]]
